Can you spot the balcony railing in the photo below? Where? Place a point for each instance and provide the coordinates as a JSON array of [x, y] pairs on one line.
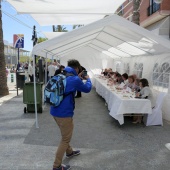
[[153, 8]]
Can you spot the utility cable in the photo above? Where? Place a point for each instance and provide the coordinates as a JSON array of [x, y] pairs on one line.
[[19, 21]]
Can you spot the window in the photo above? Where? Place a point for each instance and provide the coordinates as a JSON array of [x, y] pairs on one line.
[[120, 10], [118, 67], [153, 7], [160, 76], [138, 69], [126, 68]]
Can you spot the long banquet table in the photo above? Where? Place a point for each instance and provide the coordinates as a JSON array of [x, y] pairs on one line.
[[120, 103]]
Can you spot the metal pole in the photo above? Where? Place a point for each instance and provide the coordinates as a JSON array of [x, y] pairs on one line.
[[17, 72], [46, 70], [34, 39], [35, 97], [169, 39]]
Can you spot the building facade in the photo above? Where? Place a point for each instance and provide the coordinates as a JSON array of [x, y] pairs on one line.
[[154, 17], [11, 54]]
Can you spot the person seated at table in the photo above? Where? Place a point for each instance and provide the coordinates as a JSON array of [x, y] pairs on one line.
[[114, 77], [111, 78], [131, 82], [134, 76], [110, 70], [104, 72], [119, 78], [136, 87], [125, 78], [145, 93], [111, 75]]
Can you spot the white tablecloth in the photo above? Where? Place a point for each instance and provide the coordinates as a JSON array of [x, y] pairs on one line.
[[119, 105]]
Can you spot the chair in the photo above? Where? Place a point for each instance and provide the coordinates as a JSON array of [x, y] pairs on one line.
[[156, 117]]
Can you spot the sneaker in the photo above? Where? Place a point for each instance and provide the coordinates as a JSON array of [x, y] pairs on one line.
[[63, 167], [74, 153]]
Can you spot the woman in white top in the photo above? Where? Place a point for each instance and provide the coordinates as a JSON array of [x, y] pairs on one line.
[[145, 93]]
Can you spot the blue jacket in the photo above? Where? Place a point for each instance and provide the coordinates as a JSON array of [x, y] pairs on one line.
[[73, 83]]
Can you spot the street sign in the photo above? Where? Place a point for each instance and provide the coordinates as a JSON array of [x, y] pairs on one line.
[[18, 41]]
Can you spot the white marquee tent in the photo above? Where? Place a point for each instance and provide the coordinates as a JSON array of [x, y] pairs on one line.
[[55, 12], [113, 36], [104, 43]]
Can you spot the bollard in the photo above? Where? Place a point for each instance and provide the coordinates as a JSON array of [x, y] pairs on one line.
[[12, 78]]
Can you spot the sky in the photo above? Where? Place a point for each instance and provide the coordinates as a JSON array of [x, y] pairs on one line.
[[24, 25]]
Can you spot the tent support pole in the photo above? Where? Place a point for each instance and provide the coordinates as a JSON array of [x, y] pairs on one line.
[[46, 70], [75, 40], [106, 50], [115, 47], [35, 96], [98, 50], [59, 54], [127, 42], [77, 46]]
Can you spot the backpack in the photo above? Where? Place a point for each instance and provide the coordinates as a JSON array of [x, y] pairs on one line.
[[55, 88]]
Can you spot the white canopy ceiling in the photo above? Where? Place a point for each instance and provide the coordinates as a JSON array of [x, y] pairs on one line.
[[66, 12], [66, 6], [113, 36], [66, 19], [51, 35]]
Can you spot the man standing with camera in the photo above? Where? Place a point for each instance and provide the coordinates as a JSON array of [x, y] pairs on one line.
[[63, 114], [84, 73]]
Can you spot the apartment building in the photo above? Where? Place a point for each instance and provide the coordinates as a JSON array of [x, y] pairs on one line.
[[154, 17]]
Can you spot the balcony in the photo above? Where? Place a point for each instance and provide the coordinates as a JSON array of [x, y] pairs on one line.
[[153, 8]]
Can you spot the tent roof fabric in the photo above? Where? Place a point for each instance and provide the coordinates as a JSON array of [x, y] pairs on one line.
[[72, 12], [66, 19], [51, 35], [113, 36], [105, 7]]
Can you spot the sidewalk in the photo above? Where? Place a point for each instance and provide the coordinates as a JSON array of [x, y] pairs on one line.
[[12, 92], [103, 143]]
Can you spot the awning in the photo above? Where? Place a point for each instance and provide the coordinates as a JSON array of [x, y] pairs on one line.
[[105, 7], [66, 19], [51, 35], [64, 12]]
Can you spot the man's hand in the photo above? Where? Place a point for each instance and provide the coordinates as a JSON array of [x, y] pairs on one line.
[[86, 77], [83, 78], [80, 75]]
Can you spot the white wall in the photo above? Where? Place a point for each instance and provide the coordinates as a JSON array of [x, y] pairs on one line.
[[91, 59]]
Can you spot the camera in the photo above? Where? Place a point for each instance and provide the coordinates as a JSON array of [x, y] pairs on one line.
[[84, 73]]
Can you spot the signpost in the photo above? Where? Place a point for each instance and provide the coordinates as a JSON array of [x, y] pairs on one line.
[[18, 42]]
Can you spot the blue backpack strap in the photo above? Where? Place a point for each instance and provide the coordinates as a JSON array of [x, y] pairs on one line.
[[65, 95]]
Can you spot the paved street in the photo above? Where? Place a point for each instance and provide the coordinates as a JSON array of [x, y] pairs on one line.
[[104, 144]]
